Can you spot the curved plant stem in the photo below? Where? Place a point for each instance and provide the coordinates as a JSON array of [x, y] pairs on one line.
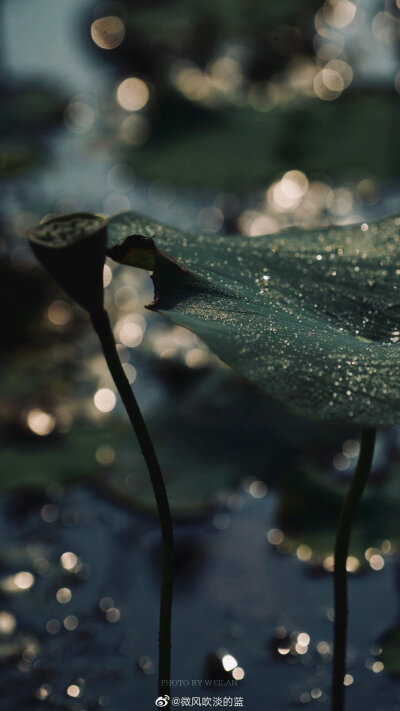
[[102, 327], [343, 534]]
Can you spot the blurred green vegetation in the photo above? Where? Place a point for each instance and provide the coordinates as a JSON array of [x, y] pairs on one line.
[[233, 102], [240, 148], [32, 111], [160, 31]]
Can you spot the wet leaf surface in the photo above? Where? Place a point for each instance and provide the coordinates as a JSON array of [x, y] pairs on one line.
[[311, 317]]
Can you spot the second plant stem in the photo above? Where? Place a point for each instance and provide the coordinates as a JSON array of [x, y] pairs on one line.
[[103, 329], [342, 543]]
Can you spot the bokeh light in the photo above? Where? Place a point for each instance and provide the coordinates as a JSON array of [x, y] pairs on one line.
[[133, 94], [108, 32]]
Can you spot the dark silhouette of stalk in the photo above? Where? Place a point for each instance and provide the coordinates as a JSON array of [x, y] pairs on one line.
[[343, 534], [73, 249], [102, 327]]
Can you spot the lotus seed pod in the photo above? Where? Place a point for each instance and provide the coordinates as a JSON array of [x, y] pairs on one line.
[[72, 248]]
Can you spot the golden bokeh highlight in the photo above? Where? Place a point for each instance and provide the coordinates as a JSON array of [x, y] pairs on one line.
[[40, 422], [108, 32], [133, 94]]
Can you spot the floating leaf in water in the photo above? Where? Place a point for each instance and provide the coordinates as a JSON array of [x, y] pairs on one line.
[[196, 479], [71, 458], [308, 510], [192, 487], [389, 651], [311, 317]]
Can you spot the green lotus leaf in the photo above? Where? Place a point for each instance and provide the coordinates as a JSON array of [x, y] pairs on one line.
[[197, 479], [389, 650], [309, 506], [311, 317], [71, 458]]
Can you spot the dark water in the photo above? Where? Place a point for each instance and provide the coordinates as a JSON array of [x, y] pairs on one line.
[[232, 592]]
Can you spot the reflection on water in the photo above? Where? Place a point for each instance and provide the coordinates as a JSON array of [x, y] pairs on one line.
[[77, 615]]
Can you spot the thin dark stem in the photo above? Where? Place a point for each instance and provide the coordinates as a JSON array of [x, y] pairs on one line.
[[102, 327], [343, 534]]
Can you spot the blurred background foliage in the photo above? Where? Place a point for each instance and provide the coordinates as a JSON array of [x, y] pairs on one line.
[[224, 116], [259, 84]]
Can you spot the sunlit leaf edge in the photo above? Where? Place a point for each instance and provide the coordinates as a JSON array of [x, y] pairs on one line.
[[327, 351]]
